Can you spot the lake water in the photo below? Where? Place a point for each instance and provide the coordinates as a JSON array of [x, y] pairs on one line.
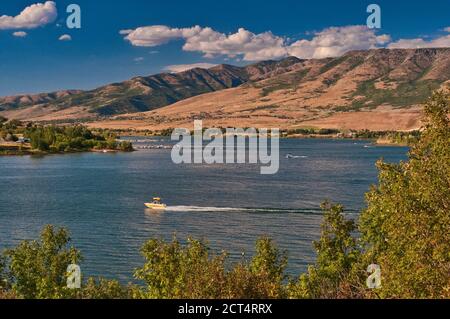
[[100, 199]]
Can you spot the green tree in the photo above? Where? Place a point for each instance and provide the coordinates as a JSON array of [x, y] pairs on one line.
[[102, 288], [38, 140], [13, 124], [70, 138], [172, 270], [111, 143], [406, 226], [126, 146], [337, 252], [38, 269], [3, 276], [263, 277]]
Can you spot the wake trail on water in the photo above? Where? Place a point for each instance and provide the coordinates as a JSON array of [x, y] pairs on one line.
[[200, 209], [208, 209]]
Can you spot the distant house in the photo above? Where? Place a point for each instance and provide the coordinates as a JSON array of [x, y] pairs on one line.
[[23, 140]]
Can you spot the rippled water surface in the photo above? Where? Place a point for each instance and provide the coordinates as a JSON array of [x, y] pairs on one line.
[[100, 197]]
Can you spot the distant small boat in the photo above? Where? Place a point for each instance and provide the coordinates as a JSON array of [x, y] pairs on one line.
[[290, 156], [156, 204]]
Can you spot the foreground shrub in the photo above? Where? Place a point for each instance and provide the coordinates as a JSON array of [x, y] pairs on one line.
[[337, 252], [102, 288], [406, 226], [37, 269], [176, 271]]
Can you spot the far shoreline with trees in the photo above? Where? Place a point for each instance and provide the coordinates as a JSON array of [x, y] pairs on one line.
[[17, 138]]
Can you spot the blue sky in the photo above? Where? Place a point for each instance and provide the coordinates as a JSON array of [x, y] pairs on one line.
[[33, 59]]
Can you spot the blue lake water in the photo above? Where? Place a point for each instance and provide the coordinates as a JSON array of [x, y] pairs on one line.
[[99, 198]]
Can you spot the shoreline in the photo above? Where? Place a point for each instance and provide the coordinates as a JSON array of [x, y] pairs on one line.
[[30, 152], [14, 150], [373, 141]]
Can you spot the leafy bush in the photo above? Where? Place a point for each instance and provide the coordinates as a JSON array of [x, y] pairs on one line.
[[72, 139], [37, 269], [125, 146], [337, 252], [174, 271], [406, 226], [106, 289]]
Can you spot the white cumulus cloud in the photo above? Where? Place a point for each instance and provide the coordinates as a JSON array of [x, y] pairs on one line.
[[248, 46], [65, 37], [125, 32], [335, 41], [152, 36], [210, 42], [20, 34], [184, 67], [253, 47], [31, 17], [417, 43]]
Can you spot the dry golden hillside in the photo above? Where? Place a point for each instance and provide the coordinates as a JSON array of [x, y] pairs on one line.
[[377, 90]]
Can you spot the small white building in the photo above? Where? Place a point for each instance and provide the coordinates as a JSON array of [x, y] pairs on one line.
[[23, 140]]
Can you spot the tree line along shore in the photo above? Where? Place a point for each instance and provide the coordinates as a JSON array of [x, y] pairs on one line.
[[18, 138], [396, 138]]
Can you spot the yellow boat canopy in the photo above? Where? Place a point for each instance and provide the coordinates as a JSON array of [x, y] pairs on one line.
[[156, 198]]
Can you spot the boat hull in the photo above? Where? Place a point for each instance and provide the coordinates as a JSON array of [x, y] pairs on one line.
[[155, 206]]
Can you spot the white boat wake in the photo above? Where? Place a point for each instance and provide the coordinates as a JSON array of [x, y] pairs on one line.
[[208, 209], [290, 156], [202, 209]]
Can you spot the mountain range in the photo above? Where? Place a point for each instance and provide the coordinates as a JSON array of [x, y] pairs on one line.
[[376, 89]]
